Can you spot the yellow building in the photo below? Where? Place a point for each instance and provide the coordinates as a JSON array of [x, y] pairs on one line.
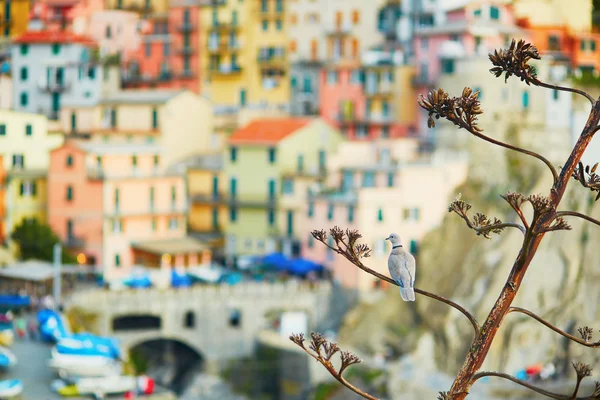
[[576, 15], [25, 148], [14, 17], [268, 166], [142, 6], [208, 212], [246, 58]]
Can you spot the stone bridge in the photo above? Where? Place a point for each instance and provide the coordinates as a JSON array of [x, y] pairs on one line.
[[218, 322]]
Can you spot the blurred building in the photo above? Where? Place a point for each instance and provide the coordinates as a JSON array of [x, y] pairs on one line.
[[117, 33], [26, 146], [380, 195], [14, 17], [267, 165], [245, 61], [52, 69]]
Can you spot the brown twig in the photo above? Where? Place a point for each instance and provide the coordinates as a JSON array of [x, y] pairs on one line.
[[537, 82], [584, 332], [322, 350], [481, 223], [579, 215], [515, 200], [354, 258]]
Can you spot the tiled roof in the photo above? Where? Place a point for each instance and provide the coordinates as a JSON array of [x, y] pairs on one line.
[[49, 37], [268, 131]]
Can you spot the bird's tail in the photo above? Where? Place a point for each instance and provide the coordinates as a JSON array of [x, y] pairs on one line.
[[407, 294]]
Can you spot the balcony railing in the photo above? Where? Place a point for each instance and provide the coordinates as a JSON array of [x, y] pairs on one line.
[[53, 86], [100, 173], [186, 27], [74, 242], [226, 69], [338, 30], [205, 198], [272, 61], [212, 3], [252, 201], [147, 211], [381, 89], [224, 26], [222, 45]]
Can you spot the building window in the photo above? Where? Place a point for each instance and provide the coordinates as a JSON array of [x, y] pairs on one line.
[[69, 160], [271, 155], [368, 180], [332, 77], [494, 12], [113, 118], [553, 43], [28, 188], [173, 196], [355, 17], [28, 130], [350, 213], [272, 185], [279, 25], [555, 94], [154, 224], [233, 214], [390, 180], [233, 154], [525, 99], [233, 187], [55, 48], [173, 223], [330, 212], [380, 215], [477, 12], [311, 209], [424, 43], [592, 45], [154, 118], [190, 320], [156, 161], [385, 132], [24, 73], [2, 129], [265, 25], [148, 50], [18, 160], [271, 216], [117, 226], [414, 247], [300, 163], [166, 49], [24, 100], [24, 49], [311, 241], [279, 5], [288, 186], [117, 260], [235, 319], [448, 66], [69, 193], [73, 121]]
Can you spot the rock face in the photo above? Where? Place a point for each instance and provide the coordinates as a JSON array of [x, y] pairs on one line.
[[561, 284]]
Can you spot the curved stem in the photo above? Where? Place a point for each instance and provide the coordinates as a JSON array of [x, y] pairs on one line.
[[511, 147], [522, 383], [460, 308], [502, 226], [579, 215], [554, 328], [537, 82]]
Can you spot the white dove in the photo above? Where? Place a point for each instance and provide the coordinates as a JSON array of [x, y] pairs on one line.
[[402, 268]]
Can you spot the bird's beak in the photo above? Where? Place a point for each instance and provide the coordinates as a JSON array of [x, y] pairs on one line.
[[387, 238]]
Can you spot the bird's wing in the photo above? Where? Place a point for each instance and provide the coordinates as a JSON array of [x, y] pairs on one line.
[[412, 268], [399, 269]]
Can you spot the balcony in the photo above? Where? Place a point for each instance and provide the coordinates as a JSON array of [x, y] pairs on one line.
[[224, 26], [53, 86], [338, 30], [186, 27], [74, 242], [451, 49], [140, 8], [383, 89], [272, 62], [252, 201], [208, 199], [186, 50], [222, 45], [226, 69], [379, 118], [147, 211], [271, 12], [212, 3]]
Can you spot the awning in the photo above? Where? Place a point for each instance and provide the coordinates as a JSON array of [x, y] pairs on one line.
[[170, 246]]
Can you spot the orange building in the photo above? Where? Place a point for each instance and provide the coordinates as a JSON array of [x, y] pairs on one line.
[[3, 232]]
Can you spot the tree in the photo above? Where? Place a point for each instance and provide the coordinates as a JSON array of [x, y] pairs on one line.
[[36, 241], [462, 111]]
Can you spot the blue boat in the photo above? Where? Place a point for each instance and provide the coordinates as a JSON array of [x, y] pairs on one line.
[[138, 282], [180, 279], [301, 267], [87, 344], [51, 325], [10, 388], [7, 358]]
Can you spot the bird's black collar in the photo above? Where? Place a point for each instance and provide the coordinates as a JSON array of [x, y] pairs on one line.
[[395, 247]]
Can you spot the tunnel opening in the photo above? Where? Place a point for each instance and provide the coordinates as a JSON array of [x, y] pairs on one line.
[[171, 363], [136, 323]]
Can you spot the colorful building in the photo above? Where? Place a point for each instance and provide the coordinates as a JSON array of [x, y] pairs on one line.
[[245, 61], [143, 7], [379, 197], [72, 15], [14, 15], [168, 56], [178, 121], [26, 145], [117, 33], [265, 162], [52, 69], [115, 205]]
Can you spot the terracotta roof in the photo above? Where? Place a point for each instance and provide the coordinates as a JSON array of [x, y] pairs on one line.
[[49, 37], [267, 131]]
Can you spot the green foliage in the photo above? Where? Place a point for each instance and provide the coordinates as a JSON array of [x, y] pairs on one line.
[[36, 241], [587, 79], [324, 391], [81, 320], [138, 362]]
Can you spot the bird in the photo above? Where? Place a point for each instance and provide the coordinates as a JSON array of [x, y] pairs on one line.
[[402, 268]]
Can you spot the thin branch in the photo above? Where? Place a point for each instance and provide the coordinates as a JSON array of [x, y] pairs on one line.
[[511, 147], [500, 226], [515, 200], [582, 342], [529, 386], [579, 215], [537, 82], [318, 345]]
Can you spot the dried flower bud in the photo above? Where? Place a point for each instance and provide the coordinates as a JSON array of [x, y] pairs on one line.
[[582, 370], [586, 333], [515, 61], [443, 396], [461, 111], [319, 235], [297, 338], [592, 181], [348, 359]]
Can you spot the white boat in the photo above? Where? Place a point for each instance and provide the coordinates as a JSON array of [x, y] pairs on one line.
[[7, 358], [83, 365], [10, 388], [106, 385]]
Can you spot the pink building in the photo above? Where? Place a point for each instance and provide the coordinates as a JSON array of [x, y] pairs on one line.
[[65, 14], [359, 99], [472, 29], [114, 204], [168, 54], [116, 32]]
